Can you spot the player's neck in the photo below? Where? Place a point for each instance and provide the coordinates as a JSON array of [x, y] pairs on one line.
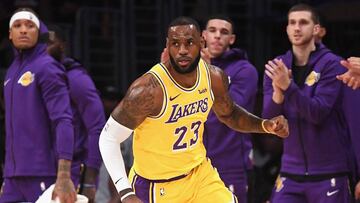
[[186, 80], [302, 53]]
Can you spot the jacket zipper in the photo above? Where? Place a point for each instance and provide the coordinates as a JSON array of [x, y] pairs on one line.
[[11, 108], [303, 148]]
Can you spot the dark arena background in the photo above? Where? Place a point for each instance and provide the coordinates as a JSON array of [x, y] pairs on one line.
[[118, 40]]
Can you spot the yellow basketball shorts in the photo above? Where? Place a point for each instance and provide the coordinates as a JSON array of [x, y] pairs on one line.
[[202, 184]]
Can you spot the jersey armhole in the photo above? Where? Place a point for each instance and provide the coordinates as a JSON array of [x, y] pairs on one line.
[[164, 103]]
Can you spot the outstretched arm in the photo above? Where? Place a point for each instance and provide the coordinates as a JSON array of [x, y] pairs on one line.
[[235, 116], [144, 98]]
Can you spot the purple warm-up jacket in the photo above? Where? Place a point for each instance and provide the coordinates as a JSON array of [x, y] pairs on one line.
[[317, 141], [228, 149], [38, 115], [89, 115], [351, 109]]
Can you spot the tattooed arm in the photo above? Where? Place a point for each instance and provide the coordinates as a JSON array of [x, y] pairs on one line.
[[143, 98], [64, 187], [235, 116]]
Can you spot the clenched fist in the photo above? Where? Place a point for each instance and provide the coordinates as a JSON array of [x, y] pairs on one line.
[[277, 126]]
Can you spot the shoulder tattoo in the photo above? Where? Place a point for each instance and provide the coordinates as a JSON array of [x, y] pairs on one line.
[[138, 103]]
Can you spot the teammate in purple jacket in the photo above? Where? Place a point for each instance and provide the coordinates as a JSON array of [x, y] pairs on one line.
[[39, 130], [314, 165], [229, 150], [350, 99], [351, 113], [88, 111]]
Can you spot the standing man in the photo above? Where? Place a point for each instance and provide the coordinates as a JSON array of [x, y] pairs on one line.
[[351, 100], [228, 149], [88, 118], [166, 109], [39, 130], [314, 162]]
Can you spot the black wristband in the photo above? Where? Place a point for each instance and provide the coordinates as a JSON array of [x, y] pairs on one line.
[[125, 193]]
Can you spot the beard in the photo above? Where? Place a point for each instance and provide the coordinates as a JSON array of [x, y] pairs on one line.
[[189, 69], [305, 41]]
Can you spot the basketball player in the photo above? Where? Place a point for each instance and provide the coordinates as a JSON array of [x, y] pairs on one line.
[[350, 99], [39, 130], [166, 109], [89, 117], [314, 161]]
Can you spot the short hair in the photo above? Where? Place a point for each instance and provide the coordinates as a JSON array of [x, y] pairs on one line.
[[221, 17], [306, 7], [183, 20]]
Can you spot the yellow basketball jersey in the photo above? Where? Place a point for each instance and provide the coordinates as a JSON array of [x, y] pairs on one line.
[[171, 144]]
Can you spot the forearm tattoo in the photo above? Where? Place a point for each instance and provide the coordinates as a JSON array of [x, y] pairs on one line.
[[64, 168], [245, 121], [233, 115]]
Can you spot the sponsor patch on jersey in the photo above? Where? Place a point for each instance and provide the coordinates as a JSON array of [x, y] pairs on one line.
[[202, 91], [312, 78], [26, 79]]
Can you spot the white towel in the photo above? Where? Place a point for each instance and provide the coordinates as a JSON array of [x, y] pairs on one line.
[[46, 197]]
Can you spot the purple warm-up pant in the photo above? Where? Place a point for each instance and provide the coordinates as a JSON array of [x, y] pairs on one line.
[[24, 189], [333, 190]]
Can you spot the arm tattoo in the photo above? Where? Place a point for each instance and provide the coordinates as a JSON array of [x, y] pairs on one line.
[[222, 98], [244, 121], [230, 113], [153, 82], [64, 167], [138, 103], [225, 80]]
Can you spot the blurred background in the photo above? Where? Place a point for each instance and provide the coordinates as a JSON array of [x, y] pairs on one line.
[[118, 40]]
